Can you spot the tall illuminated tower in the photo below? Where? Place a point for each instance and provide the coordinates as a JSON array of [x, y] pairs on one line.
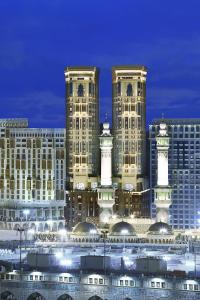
[[106, 197], [82, 123], [162, 191], [129, 118]]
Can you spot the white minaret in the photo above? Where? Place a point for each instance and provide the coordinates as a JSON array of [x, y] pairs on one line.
[[106, 193], [162, 191], [106, 156]]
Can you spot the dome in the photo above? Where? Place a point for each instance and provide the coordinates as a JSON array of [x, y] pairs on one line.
[[84, 228], [122, 228], [160, 228]]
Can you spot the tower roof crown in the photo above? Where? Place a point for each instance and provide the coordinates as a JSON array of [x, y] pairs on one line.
[[106, 129], [163, 129]]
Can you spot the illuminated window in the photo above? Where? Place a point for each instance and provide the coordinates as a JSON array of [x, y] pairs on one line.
[[90, 280], [158, 284]]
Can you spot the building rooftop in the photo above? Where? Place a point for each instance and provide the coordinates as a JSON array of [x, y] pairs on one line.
[[81, 68], [129, 67], [186, 121]]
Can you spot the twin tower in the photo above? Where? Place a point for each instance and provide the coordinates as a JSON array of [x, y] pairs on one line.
[[128, 127]]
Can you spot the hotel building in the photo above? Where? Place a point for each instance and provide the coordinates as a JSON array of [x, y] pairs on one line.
[[32, 176], [184, 170]]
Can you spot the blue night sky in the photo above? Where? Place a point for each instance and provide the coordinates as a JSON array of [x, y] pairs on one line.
[[39, 38]]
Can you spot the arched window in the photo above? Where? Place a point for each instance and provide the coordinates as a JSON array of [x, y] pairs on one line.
[[129, 90], [80, 90], [35, 296]]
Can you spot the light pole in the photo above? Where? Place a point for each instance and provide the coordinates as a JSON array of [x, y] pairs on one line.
[[20, 230], [124, 232], [26, 212], [104, 232]]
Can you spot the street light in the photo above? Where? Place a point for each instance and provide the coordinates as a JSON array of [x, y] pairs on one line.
[[26, 212], [104, 233], [20, 230], [124, 232]]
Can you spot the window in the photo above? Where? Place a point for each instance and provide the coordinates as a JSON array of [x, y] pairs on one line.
[[80, 90], [185, 286], [71, 89], [190, 287], [158, 284], [131, 283], [152, 284], [90, 280], [129, 90], [163, 285], [119, 88]]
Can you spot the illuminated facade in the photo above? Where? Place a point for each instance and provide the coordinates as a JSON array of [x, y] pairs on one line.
[[106, 193], [82, 127], [129, 121], [184, 170], [87, 285], [162, 191], [129, 143], [32, 176]]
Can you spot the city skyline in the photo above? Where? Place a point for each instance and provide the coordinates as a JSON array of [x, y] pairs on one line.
[[38, 41]]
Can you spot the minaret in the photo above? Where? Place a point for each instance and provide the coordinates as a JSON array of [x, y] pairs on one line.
[[106, 197], [162, 191]]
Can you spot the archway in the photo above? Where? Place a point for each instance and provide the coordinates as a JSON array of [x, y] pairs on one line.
[[95, 298], [54, 227], [127, 298], [65, 297], [36, 296], [40, 227], [46, 227], [7, 296], [60, 226]]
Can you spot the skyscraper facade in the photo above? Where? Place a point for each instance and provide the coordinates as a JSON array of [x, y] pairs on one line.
[[32, 176], [82, 127], [184, 170], [82, 142], [129, 121]]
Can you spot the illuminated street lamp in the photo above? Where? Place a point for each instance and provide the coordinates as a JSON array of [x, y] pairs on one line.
[[26, 212], [66, 262]]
